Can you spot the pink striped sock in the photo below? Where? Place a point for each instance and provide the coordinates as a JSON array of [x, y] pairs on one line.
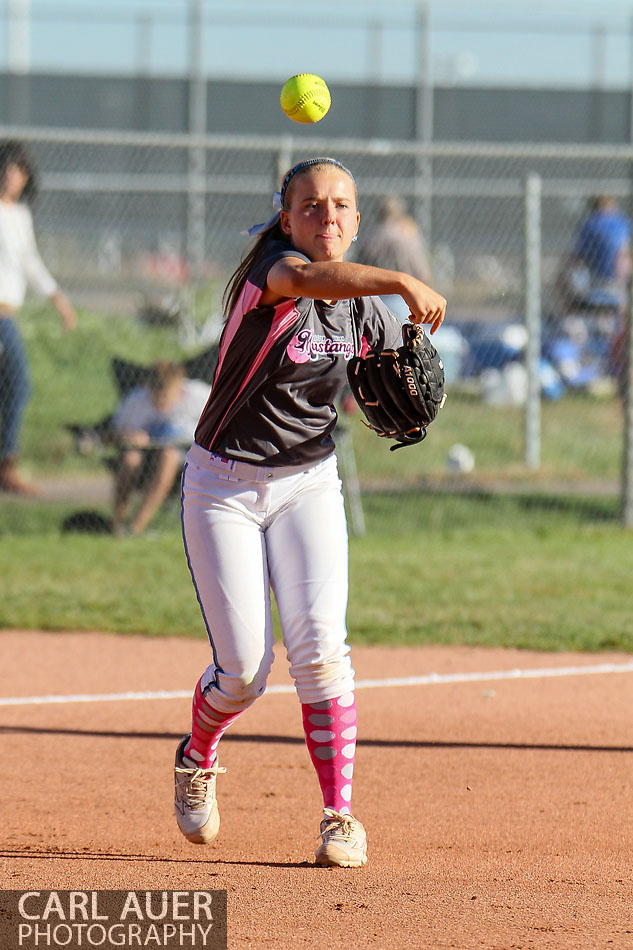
[[330, 730], [207, 728]]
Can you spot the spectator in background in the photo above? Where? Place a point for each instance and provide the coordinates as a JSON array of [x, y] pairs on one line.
[[396, 244], [153, 424], [593, 286], [20, 265], [599, 266]]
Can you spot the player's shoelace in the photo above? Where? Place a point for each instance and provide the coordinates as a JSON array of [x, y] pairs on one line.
[[197, 785], [344, 825]]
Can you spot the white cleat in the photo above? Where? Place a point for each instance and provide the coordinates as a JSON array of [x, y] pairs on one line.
[[195, 804], [343, 841]]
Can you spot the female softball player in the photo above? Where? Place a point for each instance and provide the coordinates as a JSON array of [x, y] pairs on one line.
[[262, 502]]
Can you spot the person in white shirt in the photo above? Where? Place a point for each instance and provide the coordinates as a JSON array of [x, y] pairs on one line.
[[154, 424], [20, 266]]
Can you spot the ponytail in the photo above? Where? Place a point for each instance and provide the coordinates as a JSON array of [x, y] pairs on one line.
[[238, 278]]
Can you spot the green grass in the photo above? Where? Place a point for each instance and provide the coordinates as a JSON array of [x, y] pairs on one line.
[[72, 380], [73, 383], [503, 557], [483, 569], [581, 442], [494, 571]]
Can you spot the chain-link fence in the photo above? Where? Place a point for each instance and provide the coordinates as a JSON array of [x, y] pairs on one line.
[[142, 232]]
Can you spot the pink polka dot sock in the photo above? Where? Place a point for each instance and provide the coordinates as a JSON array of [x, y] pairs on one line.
[[330, 729], [207, 728]]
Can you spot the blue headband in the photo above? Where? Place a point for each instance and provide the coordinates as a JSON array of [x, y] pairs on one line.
[[309, 162]]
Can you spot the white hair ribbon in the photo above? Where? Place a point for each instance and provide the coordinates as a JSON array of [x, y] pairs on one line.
[[258, 228]]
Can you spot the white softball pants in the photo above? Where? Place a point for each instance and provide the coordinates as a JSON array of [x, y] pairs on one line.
[[248, 529]]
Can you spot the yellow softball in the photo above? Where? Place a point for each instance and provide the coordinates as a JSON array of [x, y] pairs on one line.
[[305, 98]]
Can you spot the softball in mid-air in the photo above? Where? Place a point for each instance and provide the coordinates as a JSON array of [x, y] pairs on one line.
[[305, 98]]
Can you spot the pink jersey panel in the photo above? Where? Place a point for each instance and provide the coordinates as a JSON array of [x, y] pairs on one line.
[[248, 299], [284, 316]]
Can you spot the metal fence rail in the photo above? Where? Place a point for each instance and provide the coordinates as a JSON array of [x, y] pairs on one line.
[[124, 217]]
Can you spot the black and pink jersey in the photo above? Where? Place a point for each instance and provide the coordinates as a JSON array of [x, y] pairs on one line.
[[282, 367]]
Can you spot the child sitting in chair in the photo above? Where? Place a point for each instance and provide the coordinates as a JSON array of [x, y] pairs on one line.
[[154, 424]]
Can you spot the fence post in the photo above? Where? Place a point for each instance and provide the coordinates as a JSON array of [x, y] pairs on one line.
[[196, 193], [284, 159], [532, 301], [423, 124], [349, 477], [627, 442]]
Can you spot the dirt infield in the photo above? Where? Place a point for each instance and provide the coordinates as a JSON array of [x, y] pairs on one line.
[[499, 812]]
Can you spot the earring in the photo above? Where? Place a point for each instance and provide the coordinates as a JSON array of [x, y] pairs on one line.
[[355, 238]]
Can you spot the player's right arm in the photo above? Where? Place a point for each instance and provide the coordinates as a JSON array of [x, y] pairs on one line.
[[339, 280]]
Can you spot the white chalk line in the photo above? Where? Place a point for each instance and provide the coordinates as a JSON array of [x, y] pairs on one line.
[[430, 679]]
